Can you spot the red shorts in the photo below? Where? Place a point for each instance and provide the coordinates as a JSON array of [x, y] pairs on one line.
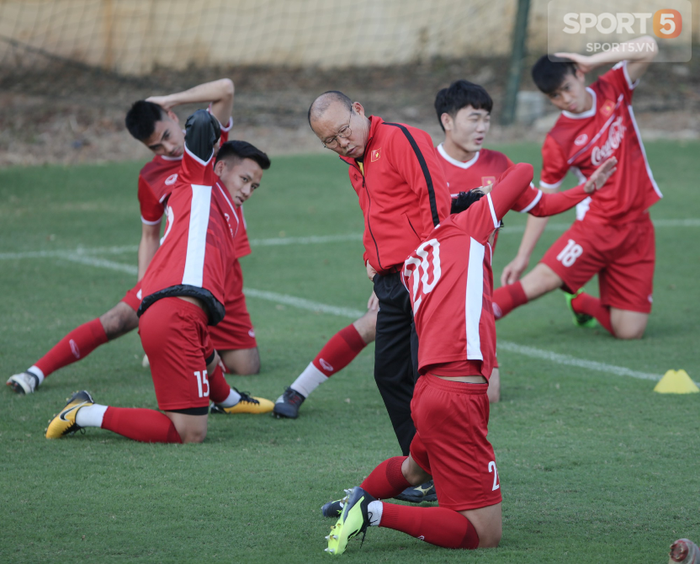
[[235, 331], [175, 337], [450, 444], [133, 297], [621, 255]]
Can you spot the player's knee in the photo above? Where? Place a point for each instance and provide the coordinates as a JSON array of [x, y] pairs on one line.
[[193, 435], [629, 333], [367, 326], [490, 539], [242, 362], [119, 320]]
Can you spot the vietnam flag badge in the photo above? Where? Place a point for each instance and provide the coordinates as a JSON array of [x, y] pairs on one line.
[[607, 108], [487, 180], [376, 153]]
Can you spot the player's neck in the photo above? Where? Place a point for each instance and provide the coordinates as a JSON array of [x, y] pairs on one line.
[[456, 152]]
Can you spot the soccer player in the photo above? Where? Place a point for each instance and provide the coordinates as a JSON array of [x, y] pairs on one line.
[[184, 291], [449, 272], [155, 124], [613, 235], [403, 196], [464, 113]]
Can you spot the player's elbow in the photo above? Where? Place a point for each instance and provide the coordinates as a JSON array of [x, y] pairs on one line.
[[227, 87]]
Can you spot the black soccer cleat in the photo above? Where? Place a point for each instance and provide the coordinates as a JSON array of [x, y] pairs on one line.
[[418, 494], [287, 405]]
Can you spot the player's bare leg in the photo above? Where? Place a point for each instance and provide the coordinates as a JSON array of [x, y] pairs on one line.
[[488, 524], [494, 391], [540, 281], [191, 428], [243, 362], [628, 324], [119, 321]]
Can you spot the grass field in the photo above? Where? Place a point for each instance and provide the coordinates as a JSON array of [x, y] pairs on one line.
[[594, 466]]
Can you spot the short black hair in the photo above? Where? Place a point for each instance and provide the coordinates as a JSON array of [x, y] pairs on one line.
[[461, 94], [549, 72], [239, 150], [142, 117]]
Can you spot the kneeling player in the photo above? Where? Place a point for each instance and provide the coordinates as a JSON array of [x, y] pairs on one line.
[[449, 272], [184, 290]]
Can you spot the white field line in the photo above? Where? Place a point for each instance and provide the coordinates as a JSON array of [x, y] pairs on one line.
[[309, 305], [278, 241]]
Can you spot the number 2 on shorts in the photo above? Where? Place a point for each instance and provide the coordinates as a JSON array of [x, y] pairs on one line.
[[570, 253], [492, 468]]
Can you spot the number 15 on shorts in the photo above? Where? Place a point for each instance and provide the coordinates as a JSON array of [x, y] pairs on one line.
[[202, 382]]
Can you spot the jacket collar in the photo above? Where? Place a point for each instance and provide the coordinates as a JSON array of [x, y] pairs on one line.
[[374, 123]]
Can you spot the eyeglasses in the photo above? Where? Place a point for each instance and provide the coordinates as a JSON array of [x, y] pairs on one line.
[[343, 133]]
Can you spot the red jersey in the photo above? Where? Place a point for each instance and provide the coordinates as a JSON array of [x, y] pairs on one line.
[[450, 281], [198, 250], [157, 180], [582, 142], [401, 190], [486, 166]]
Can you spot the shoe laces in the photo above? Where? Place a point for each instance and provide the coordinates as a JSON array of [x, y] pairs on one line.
[[245, 396]]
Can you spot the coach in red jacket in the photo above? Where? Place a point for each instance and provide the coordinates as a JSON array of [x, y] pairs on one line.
[[403, 196]]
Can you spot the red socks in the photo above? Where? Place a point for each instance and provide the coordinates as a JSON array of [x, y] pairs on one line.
[[436, 525], [386, 480], [585, 303], [507, 298], [339, 351], [76, 345], [219, 389], [145, 425]]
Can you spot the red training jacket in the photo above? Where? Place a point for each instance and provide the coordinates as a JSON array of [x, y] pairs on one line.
[[402, 191]]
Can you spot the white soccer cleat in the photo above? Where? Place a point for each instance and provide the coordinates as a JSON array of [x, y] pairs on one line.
[[23, 383]]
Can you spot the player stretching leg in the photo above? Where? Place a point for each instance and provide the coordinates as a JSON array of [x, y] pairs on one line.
[[184, 292], [159, 129], [613, 236], [449, 272]]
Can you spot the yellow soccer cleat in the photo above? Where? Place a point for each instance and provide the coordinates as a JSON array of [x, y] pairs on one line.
[[64, 423], [354, 520], [247, 404]]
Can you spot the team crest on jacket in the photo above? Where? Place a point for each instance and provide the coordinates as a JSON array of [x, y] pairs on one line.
[[581, 139], [375, 155], [487, 180], [607, 108], [171, 179]]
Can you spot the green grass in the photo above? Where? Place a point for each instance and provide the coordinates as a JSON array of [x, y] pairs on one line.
[[594, 467]]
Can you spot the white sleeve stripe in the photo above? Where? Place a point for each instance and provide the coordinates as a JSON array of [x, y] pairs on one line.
[[473, 303], [197, 236], [196, 158], [631, 85], [533, 203], [496, 221], [551, 186], [145, 221]]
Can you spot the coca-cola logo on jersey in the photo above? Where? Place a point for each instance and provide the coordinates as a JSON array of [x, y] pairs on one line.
[[615, 136]]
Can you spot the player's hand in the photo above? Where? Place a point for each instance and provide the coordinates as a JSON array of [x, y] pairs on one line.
[[598, 179], [371, 273], [513, 270], [583, 62], [373, 302], [164, 102]]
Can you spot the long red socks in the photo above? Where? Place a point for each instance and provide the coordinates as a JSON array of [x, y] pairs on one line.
[[386, 480], [219, 389], [339, 351], [507, 298], [436, 525], [145, 425], [585, 303], [75, 346]]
